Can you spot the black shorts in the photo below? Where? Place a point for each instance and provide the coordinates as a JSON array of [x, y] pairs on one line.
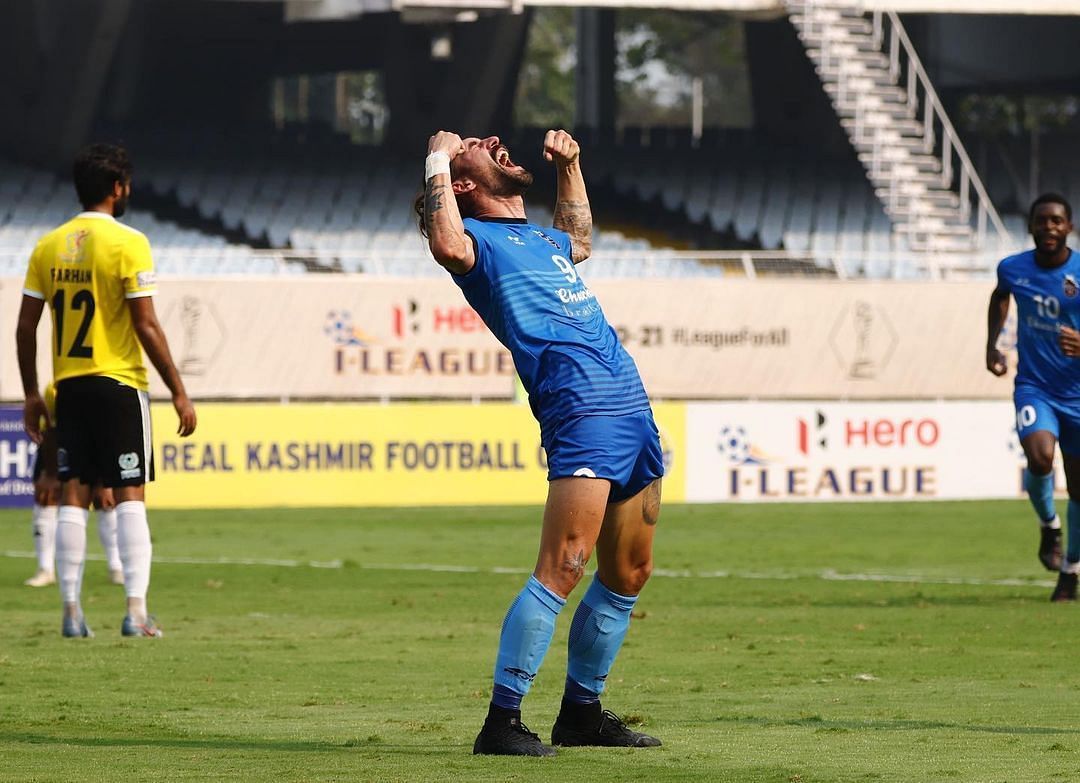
[[103, 432]]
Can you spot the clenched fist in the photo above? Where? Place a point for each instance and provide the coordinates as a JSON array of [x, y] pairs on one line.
[[995, 362], [445, 141], [560, 148], [1069, 340]]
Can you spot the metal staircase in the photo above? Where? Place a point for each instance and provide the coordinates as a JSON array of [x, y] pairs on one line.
[[939, 209]]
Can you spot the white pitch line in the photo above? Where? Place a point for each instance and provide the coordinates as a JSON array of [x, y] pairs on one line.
[[247, 561], [827, 575]]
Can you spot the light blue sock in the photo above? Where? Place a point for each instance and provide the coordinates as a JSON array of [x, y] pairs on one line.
[[1072, 551], [596, 634], [1041, 491], [526, 636]]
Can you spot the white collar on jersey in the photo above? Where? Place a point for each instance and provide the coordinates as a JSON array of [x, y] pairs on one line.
[[95, 215]]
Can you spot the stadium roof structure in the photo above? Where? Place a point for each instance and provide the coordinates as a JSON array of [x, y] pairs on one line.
[[423, 10]]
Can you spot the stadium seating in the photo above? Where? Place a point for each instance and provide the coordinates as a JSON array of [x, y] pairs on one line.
[[347, 208], [33, 202]]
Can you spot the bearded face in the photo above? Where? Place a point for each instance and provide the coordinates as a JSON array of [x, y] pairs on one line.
[[120, 205], [487, 162]]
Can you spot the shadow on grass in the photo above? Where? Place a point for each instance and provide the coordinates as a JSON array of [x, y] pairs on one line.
[[929, 601], [230, 744], [817, 722]]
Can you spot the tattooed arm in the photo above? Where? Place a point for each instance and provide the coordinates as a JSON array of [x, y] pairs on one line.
[[572, 212], [449, 244]]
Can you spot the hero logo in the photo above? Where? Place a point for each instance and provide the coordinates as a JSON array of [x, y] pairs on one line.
[[407, 319], [881, 433], [815, 433]]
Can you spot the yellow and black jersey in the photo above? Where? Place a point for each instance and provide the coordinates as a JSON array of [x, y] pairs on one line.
[[85, 270]]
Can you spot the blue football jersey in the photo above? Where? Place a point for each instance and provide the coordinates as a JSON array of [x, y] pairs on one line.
[[530, 294], [1046, 299]]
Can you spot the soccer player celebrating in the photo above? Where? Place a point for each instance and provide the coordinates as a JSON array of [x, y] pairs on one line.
[[1046, 285], [97, 276], [603, 448]]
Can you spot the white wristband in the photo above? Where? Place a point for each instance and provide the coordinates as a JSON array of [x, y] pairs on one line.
[[436, 163]]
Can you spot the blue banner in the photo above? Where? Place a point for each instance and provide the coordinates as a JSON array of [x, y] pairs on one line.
[[16, 460]]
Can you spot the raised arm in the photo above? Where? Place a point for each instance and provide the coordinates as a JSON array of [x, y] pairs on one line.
[[152, 337], [995, 321], [446, 236], [572, 212], [26, 347]]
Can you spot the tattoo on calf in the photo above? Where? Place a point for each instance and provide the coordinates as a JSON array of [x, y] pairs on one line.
[[575, 564]]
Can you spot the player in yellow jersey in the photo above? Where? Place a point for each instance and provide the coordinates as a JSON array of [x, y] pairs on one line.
[[47, 504], [97, 277]]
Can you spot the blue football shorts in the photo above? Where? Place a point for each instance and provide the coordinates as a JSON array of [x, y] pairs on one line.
[[625, 450], [1036, 410]]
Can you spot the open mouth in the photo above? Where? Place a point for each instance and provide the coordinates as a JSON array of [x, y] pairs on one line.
[[502, 157]]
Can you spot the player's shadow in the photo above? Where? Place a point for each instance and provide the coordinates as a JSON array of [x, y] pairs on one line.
[[231, 744], [921, 599], [895, 724]]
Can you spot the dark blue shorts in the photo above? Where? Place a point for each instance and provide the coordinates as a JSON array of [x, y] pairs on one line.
[[625, 450], [1036, 410]]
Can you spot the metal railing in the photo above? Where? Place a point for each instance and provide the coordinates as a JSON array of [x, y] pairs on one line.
[[837, 264], [887, 24], [906, 73]]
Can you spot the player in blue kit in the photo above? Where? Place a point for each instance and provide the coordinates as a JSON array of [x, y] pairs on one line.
[[604, 456], [1046, 285]]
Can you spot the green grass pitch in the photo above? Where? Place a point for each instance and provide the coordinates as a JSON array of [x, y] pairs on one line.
[[786, 643]]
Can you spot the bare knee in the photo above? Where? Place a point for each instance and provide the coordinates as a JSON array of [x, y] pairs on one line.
[[1039, 448], [1041, 463], [630, 579], [561, 572]]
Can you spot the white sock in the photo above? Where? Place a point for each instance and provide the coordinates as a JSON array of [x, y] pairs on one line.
[[44, 527], [133, 538], [70, 551], [1053, 524], [106, 530]]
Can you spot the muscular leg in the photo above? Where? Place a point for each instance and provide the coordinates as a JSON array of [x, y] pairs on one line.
[[46, 508], [1039, 449], [136, 551], [71, 544], [1072, 481], [624, 562], [572, 519], [575, 511], [624, 550], [105, 509]]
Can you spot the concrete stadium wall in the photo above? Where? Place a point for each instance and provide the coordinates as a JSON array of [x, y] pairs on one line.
[[359, 337]]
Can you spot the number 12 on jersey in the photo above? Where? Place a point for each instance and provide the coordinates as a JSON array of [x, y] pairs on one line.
[[83, 301]]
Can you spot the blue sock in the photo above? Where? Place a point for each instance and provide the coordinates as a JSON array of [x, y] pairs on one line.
[[1072, 550], [526, 636], [1041, 491], [596, 634]]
